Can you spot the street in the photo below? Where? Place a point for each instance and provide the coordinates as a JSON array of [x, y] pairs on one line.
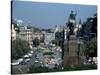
[[38, 59]]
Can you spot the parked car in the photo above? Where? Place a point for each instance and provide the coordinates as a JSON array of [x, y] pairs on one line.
[[29, 54], [27, 60], [25, 56], [36, 61], [17, 62], [31, 51], [20, 60]]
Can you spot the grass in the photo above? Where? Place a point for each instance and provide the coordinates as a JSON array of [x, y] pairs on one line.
[[81, 67], [78, 68]]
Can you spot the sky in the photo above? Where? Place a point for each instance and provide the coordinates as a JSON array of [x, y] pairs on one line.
[[48, 15]]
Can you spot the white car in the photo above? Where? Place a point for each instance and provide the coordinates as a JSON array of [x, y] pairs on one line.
[[25, 56], [20, 60], [41, 62], [36, 61], [35, 48], [31, 51], [29, 54], [15, 63], [27, 60], [60, 50]]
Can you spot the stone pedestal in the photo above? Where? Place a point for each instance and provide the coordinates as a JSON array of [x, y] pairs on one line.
[[70, 55]]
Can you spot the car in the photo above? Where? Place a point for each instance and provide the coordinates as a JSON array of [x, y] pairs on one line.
[[27, 60], [25, 56], [60, 50], [35, 48], [31, 51], [29, 54], [41, 62], [15, 63], [23, 63], [20, 60], [36, 61]]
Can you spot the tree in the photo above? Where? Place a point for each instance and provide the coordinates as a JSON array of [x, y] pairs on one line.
[[42, 39], [48, 53], [19, 48], [90, 48], [36, 42], [39, 69]]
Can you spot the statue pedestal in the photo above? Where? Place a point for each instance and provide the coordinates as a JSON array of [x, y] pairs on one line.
[[70, 55]]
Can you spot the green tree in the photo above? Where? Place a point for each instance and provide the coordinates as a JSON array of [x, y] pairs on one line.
[[19, 48], [48, 53], [36, 42], [90, 47], [56, 42], [40, 69]]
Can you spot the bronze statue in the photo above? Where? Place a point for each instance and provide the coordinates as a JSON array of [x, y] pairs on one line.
[[72, 21], [72, 15]]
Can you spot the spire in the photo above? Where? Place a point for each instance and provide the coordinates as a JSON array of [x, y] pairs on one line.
[[80, 22]]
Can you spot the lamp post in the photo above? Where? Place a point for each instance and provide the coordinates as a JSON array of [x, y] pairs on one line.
[[78, 49], [66, 38]]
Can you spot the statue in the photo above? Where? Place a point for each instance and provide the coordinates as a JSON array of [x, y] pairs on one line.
[[72, 17], [72, 21]]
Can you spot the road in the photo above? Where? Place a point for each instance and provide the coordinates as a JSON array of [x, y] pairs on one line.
[[24, 68], [37, 55]]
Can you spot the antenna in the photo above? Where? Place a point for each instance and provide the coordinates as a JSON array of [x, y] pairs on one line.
[[75, 11]]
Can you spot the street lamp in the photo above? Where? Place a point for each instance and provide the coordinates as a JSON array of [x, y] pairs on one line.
[[78, 50]]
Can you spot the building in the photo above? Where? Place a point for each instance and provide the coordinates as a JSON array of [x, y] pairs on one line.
[[26, 34], [14, 30], [59, 29], [49, 36], [38, 35]]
